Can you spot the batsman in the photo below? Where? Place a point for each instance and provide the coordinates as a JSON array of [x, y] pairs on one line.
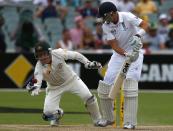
[[60, 78], [123, 32]]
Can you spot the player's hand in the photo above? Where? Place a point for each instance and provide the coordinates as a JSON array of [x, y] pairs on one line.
[[34, 90], [93, 65], [135, 43], [132, 56]]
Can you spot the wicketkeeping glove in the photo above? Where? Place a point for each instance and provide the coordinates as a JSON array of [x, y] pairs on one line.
[[93, 65], [34, 90]]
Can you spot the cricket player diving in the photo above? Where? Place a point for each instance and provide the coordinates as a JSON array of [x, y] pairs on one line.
[[123, 32], [60, 78]]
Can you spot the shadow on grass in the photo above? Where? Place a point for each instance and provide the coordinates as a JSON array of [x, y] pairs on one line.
[[29, 110]]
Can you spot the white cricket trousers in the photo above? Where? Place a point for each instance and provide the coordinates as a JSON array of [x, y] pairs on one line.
[[76, 86], [115, 64]]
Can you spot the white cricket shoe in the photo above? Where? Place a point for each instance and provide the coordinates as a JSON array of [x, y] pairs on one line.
[[103, 123], [129, 126], [54, 122], [58, 116]]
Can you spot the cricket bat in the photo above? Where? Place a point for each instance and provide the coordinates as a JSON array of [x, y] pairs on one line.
[[119, 79]]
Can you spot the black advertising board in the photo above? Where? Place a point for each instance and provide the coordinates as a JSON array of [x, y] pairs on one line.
[[17, 69]]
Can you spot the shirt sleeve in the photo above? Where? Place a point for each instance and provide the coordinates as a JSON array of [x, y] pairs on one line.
[[107, 34], [134, 20], [38, 74], [72, 55]]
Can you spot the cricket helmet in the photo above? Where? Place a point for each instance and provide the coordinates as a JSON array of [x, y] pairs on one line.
[[106, 7], [42, 46]]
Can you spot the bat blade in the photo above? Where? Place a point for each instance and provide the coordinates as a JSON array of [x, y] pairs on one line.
[[119, 79], [116, 87]]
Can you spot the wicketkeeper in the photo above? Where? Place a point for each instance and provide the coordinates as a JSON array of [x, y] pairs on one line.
[[60, 78], [123, 32]]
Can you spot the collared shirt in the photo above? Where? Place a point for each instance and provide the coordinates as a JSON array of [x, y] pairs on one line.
[[58, 72], [123, 30]]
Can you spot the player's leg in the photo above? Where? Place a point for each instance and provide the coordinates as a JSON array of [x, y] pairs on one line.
[[80, 89], [104, 87], [52, 112], [131, 94], [130, 103], [106, 104]]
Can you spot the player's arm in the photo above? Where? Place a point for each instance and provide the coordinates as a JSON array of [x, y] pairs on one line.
[[73, 55], [35, 84], [144, 25], [142, 28], [114, 44], [138, 22], [38, 75]]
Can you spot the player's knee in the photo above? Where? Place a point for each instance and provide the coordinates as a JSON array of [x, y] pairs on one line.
[[103, 89], [50, 108], [47, 115], [86, 96], [130, 88], [91, 100]]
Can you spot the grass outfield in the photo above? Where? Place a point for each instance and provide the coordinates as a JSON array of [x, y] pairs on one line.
[[21, 108]]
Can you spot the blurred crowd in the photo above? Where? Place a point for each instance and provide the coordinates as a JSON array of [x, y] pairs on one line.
[[74, 21]]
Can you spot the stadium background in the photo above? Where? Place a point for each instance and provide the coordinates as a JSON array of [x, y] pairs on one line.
[[17, 66]]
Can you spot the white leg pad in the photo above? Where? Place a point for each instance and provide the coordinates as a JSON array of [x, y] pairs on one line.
[[130, 88], [106, 104], [93, 109], [130, 102]]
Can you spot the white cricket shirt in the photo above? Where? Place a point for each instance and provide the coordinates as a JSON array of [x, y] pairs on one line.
[[123, 30], [58, 73]]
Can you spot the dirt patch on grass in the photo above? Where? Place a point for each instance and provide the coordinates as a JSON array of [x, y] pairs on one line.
[[78, 128]]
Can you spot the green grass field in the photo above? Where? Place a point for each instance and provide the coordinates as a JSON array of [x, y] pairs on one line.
[[21, 108]]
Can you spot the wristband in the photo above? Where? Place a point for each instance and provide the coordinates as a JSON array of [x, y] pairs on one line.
[[141, 32]]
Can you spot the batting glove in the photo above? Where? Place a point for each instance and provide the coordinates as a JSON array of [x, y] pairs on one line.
[[93, 65], [135, 43], [132, 56]]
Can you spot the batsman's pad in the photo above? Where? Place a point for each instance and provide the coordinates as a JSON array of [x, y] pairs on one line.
[[130, 101], [106, 104], [130, 88], [103, 89], [93, 108], [130, 110]]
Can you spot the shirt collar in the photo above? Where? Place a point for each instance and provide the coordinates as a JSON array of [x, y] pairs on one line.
[[120, 17]]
